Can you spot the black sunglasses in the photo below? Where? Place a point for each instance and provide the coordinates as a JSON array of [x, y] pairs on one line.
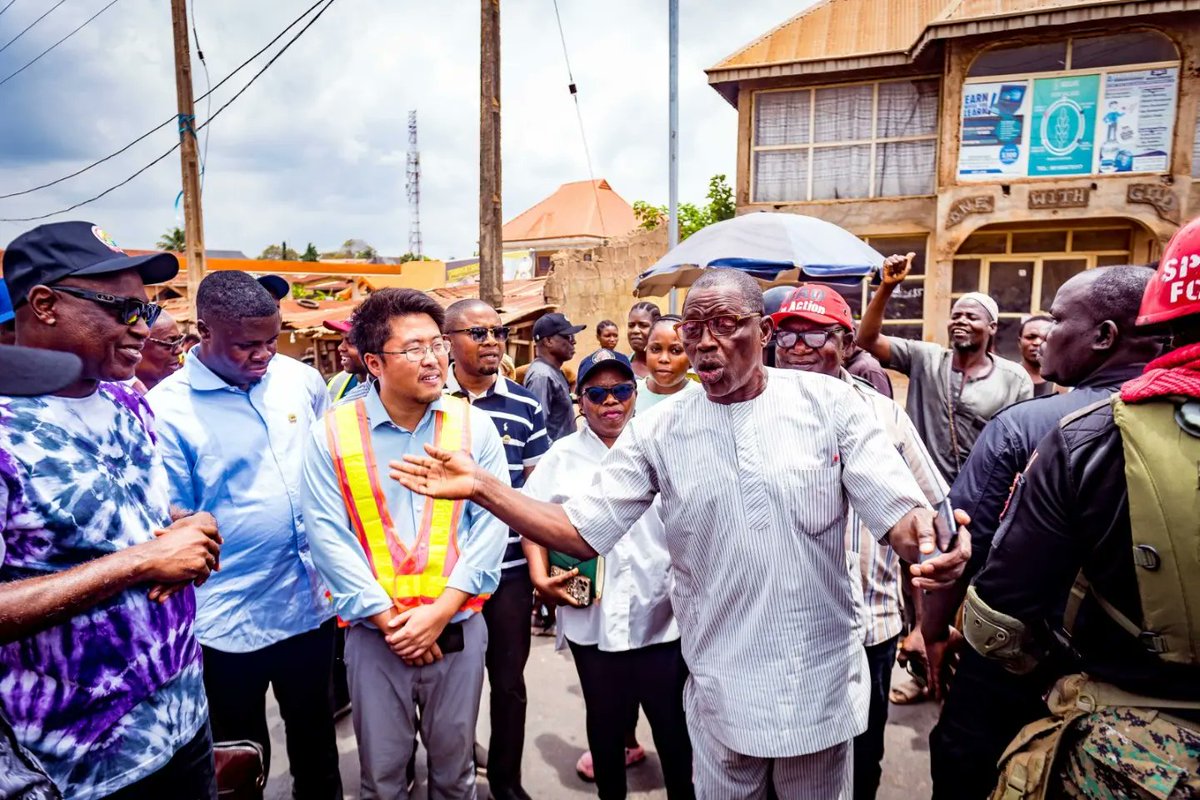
[[598, 394], [480, 334], [127, 309]]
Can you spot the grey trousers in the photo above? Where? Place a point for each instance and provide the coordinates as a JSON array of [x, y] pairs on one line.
[[722, 774], [387, 693]]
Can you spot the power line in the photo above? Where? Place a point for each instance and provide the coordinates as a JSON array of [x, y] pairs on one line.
[[168, 120], [56, 44], [579, 115], [35, 22], [207, 91], [7, 7], [206, 123]]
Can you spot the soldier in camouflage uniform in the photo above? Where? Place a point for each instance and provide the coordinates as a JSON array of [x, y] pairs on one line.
[[1096, 566]]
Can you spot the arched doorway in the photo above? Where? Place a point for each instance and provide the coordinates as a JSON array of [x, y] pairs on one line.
[[1022, 265]]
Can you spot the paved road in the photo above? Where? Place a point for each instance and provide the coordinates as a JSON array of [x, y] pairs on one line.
[[555, 738]]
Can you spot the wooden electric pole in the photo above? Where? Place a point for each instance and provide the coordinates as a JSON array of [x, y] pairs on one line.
[[491, 264], [189, 153]]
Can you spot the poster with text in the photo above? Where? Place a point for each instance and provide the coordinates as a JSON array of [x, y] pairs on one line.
[[994, 140], [1136, 121], [1063, 128]]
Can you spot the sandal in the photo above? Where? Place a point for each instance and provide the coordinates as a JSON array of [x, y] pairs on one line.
[[908, 693]]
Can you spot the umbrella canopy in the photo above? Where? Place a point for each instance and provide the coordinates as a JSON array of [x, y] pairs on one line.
[[773, 247]]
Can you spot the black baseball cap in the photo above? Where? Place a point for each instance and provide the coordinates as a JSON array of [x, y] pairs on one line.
[[276, 285], [51, 252], [29, 371], [554, 325], [602, 358]]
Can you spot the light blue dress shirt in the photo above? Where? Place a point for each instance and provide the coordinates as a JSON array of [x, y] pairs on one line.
[[238, 455], [336, 550]]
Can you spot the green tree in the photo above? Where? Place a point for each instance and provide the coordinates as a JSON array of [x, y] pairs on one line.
[[692, 218], [173, 240], [310, 253], [275, 252], [413, 257]]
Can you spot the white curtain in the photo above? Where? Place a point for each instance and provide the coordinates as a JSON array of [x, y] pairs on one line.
[[903, 169], [841, 172], [843, 113], [780, 176], [781, 118]]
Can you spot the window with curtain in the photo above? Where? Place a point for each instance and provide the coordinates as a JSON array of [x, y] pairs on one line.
[[845, 142]]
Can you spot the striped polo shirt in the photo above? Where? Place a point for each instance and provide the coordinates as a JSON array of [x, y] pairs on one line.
[[522, 427]]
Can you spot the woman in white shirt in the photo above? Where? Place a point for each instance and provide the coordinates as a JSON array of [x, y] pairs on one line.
[[668, 365], [626, 642]]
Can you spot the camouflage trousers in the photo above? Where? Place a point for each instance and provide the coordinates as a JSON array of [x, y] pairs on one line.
[[1100, 743], [1120, 753]]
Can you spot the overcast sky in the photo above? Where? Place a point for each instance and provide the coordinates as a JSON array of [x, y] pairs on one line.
[[315, 150]]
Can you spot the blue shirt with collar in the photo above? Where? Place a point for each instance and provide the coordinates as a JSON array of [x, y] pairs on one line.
[[238, 455], [336, 550]]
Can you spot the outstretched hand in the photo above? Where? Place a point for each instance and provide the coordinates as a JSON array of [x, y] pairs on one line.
[[442, 474], [896, 268]]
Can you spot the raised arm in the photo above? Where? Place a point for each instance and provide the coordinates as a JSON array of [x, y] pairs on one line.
[[455, 476], [870, 330]]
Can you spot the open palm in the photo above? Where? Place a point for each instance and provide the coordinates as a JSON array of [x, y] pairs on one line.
[[442, 474]]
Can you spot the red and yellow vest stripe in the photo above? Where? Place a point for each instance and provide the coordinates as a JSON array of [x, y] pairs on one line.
[[411, 576]]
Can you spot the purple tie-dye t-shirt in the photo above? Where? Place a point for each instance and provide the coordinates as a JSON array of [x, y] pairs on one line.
[[107, 698]]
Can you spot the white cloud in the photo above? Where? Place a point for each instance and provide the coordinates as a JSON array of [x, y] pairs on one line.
[[315, 150]]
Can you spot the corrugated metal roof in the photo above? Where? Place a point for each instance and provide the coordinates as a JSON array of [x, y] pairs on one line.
[[962, 10], [582, 208], [859, 34], [836, 29], [522, 300]]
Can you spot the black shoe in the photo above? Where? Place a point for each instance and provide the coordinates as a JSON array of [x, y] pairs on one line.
[[510, 793]]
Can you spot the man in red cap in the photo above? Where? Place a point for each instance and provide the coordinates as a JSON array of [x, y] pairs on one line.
[[814, 332], [354, 372], [1093, 574]]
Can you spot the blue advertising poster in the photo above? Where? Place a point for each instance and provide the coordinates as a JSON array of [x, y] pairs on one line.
[[1137, 120], [1063, 127], [993, 129]]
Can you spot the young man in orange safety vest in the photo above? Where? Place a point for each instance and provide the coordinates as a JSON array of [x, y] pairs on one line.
[[409, 575]]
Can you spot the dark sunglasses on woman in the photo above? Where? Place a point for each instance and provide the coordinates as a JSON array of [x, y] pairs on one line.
[[598, 394]]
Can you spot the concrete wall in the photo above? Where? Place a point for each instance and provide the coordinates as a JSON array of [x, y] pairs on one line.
[[592, 285], [1177, 193]]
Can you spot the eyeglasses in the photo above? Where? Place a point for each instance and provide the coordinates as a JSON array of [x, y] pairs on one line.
[[417, 353], [127, 309], [480, 334], [692, 330], [813, 340], [598, 394], [170, 344]]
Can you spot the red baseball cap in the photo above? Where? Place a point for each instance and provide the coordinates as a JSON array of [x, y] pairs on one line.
[[1174, 291], [338, 325], [815, 303]]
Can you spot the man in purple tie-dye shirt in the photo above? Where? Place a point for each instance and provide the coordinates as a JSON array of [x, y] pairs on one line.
[[104, 687]]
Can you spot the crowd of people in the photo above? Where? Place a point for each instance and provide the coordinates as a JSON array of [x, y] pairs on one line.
[[737, 551]]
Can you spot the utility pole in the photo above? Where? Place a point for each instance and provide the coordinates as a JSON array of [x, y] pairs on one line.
[[491, 267], [673, 141], [189, 156]]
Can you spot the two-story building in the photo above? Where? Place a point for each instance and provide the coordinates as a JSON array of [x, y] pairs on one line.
[[1009, 143]]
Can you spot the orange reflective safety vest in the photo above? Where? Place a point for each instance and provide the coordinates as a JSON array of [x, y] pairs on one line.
[[410, 575]]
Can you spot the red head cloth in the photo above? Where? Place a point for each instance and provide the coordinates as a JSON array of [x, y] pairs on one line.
[[815, 303], [1174, 291]]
